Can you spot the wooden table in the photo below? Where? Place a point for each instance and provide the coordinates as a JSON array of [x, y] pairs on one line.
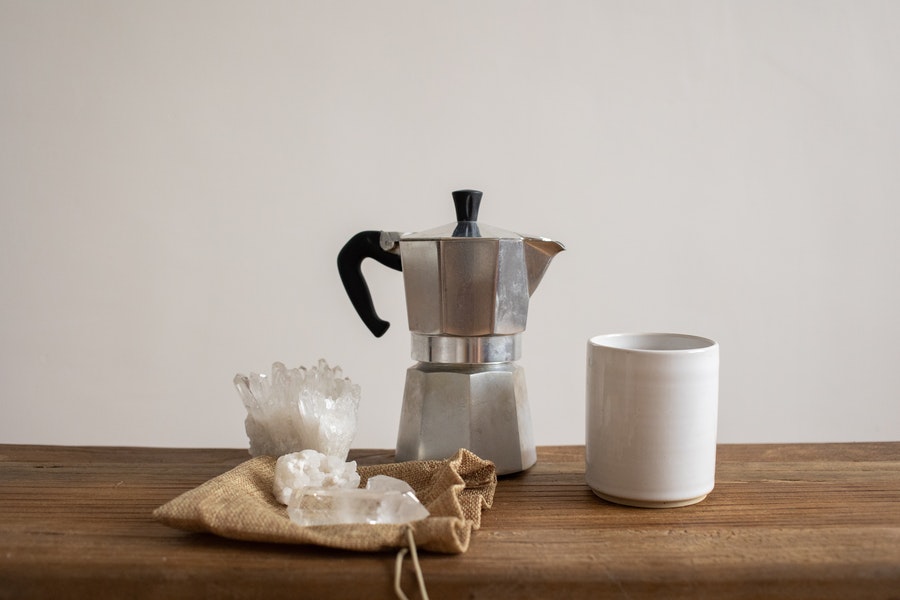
[[785, 521]]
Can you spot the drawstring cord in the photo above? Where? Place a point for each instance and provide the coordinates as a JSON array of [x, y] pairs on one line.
[[398, 567]]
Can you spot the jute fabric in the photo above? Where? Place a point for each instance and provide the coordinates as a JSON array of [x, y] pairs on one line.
[[240, 505]]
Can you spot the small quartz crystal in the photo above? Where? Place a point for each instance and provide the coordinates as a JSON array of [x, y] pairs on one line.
[[296, 409], [384, 501], [314, 470]]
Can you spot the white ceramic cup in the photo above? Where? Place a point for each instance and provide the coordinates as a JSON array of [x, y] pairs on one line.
[[652, 410]]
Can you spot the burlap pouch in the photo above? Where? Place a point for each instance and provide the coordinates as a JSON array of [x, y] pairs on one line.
[[240, 505]]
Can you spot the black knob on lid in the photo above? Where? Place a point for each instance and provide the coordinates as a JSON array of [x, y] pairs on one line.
[[467, 203]]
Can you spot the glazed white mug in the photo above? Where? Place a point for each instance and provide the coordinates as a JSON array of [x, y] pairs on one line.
[[652, 410]]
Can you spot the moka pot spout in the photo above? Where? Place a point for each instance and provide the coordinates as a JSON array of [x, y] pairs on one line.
[[538, 254]]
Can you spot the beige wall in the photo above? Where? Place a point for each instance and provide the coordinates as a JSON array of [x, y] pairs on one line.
[[176, 179]]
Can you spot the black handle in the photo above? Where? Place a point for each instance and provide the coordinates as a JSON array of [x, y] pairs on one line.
[[365, 244], [467, 203]]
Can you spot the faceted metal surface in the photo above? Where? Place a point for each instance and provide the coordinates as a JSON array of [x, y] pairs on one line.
[[483, 408], [465, 286]]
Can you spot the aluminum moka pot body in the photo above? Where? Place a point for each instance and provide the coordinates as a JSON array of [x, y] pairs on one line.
[[467, 291]]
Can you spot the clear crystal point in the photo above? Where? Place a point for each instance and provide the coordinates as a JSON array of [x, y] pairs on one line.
[[309, 507]]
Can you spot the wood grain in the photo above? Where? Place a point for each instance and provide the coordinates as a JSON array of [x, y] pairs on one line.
[[785, 521]]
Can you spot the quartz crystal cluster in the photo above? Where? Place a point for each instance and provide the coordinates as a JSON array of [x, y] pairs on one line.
[[385, 500], [311, 469], [298, 409]]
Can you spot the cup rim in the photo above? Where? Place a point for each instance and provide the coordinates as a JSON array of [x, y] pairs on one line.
[[650, 342]]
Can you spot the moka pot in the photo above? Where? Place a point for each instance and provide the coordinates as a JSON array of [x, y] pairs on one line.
[[467, 291]]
